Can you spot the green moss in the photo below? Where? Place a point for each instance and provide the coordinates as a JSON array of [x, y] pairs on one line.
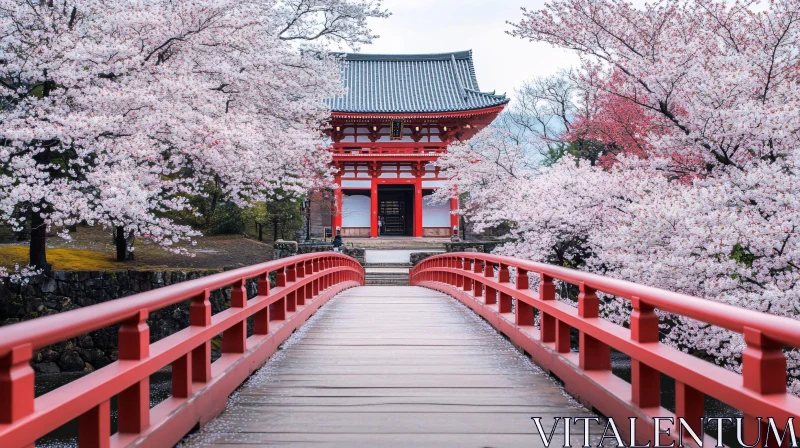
[[61, 259]]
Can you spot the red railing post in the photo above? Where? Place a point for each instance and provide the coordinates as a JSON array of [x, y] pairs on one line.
[[200, 316], [261, 318], [467, 280], [490, 297], [182, 376], [309, 271], [645, 380], [300, 296], [763, 371], [16, 384], [524, 312], [291, 277], [562, 337], [94, 427], [477, 285], [234, 339], [689, 404], [594, 354], [315, 282], [503, 300], [291, 302], [280, 277], [459, 277], [134, 402], [763, 364], [547, 291]]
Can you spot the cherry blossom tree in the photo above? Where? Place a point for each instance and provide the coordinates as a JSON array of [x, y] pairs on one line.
[[697, 103], [113, 112]]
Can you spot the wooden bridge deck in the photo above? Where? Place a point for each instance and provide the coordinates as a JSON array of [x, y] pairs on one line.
[[393, 366]]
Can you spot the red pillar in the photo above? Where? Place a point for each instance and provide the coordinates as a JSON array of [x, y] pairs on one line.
[[418, 207], [337, 215], [453, 218], [373, 221]]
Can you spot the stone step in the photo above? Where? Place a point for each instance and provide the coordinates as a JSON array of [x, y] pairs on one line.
[[388, 265], [386, 278]]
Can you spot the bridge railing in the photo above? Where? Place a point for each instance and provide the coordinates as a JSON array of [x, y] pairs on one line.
[[200, 388], [482, 282]]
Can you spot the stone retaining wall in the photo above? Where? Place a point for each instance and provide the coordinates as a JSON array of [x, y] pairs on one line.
[[472, 246], [61, 291], [284, 249]]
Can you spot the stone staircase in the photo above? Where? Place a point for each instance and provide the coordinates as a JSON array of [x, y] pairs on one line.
[[387, 274]]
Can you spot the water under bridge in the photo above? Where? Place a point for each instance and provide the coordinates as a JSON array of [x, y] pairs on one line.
[[445, 361]]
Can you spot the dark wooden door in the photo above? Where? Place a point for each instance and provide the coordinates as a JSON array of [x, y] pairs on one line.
[[392, 212]]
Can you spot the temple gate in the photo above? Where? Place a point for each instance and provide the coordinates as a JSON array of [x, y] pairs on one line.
[[398, 116]]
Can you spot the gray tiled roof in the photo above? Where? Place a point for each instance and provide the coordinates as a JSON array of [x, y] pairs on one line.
[[411, 83]]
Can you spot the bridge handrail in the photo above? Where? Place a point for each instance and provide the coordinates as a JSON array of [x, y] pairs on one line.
[[299, 281], [734, 318], [49, 330], [482, 281]]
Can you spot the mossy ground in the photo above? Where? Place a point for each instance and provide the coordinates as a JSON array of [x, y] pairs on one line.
[[91, 249], [62, 259]]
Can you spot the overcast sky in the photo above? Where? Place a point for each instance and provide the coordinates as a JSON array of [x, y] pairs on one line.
[[502, 62]]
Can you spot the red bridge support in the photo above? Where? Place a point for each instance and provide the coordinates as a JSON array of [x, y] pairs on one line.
[[481, 282], [200, 388]]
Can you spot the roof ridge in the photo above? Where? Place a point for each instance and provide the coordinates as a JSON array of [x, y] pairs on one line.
[[454, 71], [465, 54]]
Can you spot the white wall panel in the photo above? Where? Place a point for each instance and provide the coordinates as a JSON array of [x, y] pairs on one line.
[[435, 215], [356, 211]]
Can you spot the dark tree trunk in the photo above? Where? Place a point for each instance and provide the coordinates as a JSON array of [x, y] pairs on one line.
[[121, 244], [38, 245], [260, 232], [275, 230]]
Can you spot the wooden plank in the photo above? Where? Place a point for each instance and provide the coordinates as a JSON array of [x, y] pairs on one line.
[[393, 366]]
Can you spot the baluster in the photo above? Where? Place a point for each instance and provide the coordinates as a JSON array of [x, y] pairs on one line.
[[200, 316], [490, 295], [261, 318], [645, 380], [315, 282], [278, 311], [689, 404], [280, 277], [16, 384], [562, 337], [291, 274], [182, 376], [594, 354], [300, 295], [504, 300], [234, 339], [134, 402], [291, 302], [467, 280], [459, 278], [94, 427], [524, 312], [764, 372], [310, 286], [477, 285], [547, 291]]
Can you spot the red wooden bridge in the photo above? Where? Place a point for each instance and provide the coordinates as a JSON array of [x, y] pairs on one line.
[[388, 366]]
